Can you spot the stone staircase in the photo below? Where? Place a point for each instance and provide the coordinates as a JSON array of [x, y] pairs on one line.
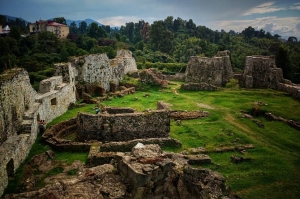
[[28, 118]]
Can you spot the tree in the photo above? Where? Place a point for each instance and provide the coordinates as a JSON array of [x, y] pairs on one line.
[[145, 32], [83, 27], [63, 54], [60, 20], [248, 32], [190, 24], [2, 19], [15, 33], [93, 30], [169, 22], [73, 28], [293, 39], [129, 28], [107, 29], [96, 31], [161, 38]]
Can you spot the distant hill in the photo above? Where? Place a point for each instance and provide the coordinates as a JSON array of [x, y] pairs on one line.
[[88, 21], [69, 21], [14, 18]]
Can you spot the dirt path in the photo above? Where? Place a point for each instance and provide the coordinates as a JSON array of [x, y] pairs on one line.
[[175, 88]]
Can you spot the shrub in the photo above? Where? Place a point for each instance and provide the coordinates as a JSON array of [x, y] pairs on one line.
[[233, 83]]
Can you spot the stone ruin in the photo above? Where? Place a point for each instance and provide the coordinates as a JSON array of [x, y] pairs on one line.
[[144, 172], [216, 71], [21, 107], [262, 72], [203, 73], [123, 127], [98, 68], [150, 76]]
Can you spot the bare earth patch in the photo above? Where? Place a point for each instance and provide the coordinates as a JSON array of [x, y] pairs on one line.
[[205, 106]]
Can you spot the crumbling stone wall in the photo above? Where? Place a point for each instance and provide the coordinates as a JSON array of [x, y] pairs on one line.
[[98, 68], [262, 72], [20, 109], [216, 70], [123, 127], [15, 90]]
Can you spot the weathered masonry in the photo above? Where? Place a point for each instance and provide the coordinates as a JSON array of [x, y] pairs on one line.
[[123, 127], [21, 107], [262, 72], [215, 71]]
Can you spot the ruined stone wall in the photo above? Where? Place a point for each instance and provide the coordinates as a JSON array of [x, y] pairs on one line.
[[98, 68], [16, 96], [261, 72], [21, 107], [177, 77], [123, 127], [216, 71], [56, 102]]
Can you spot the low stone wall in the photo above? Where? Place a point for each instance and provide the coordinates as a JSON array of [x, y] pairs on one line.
[[293, 89], [104, 153], [198, 87], [117, 110], [185, 115], [151, 76], [123, 127], [127, 146], [177, 77]]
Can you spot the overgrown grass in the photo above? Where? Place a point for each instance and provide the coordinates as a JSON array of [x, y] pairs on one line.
[[273, 171]]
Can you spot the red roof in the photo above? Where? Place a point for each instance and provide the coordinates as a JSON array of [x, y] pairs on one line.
[[51, 23]]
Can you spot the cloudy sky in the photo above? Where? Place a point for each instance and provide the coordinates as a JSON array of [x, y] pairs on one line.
[[277, 17]]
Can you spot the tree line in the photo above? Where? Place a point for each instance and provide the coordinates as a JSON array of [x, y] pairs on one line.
[[172, 40]]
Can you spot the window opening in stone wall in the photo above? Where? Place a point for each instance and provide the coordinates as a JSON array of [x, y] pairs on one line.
[[10, 168], [53, 101]]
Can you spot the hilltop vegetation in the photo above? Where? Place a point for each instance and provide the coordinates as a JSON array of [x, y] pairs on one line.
[[167, 43]]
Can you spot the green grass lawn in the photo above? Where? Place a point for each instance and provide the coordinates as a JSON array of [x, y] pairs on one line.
[[274, 171]]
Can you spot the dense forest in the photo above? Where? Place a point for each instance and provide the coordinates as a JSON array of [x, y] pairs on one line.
[[166, 44]]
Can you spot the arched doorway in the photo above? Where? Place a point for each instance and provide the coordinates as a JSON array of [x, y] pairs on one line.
[[10, 168]]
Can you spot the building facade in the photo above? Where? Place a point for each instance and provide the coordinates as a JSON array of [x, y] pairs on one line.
[[60, 30]]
